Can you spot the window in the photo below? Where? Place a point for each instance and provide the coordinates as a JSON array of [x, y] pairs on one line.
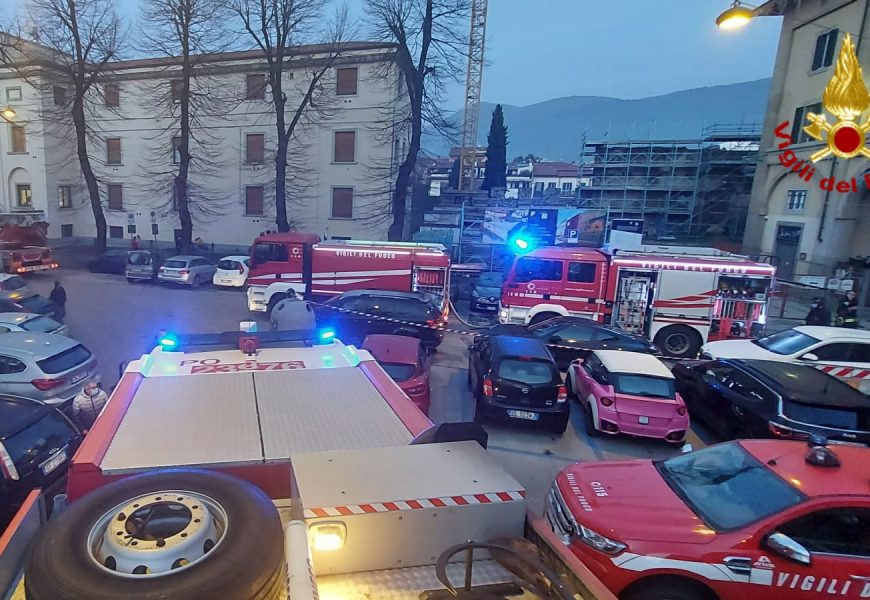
[[796, 200], [254, 148], [15, 282], [116, 197], [116, 232], [551, 185], [66, 230], [271, 253], [176, 88], [254, 200], [255, 87], [10, 365], [567, 187], [574, 333], [833, 352], [823, 55], [344, 150], [113, 151], [13, 94], [843, 530], [19, 139], [539, 186], [64, 196], [581, 272], [531, 269], [643, 385], [112, 95], [861, 353], [798, 135], [23, 196], [786, 342], [66, 360], [346, 81], [532, 372], [59, 95], [176, 150], [342, 203]]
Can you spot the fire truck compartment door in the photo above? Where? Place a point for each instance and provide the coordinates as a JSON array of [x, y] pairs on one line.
[[685, 293]]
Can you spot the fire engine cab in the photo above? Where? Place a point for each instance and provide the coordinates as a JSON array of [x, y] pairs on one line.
[[677, 299], [287, 264]]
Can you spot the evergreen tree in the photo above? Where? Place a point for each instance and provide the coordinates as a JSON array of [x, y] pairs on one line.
[[495, 174], [453, 178]]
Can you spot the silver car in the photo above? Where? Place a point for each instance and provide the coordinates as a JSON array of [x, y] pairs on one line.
[[45, 367], [186, 270], [22, 321]]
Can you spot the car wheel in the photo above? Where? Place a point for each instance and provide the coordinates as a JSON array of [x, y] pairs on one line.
[[186, 534], [669, 588], [131, 280], [589, 422], [680, 341], [569, 386]]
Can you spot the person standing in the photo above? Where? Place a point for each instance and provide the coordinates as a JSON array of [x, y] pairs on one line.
[[819, 313], [58, 296], [847, 311], [88, 404]]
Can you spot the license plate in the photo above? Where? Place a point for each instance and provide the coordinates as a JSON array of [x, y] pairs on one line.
[[28, 269], [524, 414], [226, 281], [643, 420], [54, 462]]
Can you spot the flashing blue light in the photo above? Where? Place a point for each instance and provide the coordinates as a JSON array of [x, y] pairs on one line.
[[168, 341], [327, 335], [521, 244]]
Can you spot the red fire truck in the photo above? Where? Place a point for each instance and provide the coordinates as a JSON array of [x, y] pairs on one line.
[[283, 264], [678, 297]]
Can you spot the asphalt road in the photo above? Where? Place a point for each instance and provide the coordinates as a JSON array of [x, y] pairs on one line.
[[118, 322]]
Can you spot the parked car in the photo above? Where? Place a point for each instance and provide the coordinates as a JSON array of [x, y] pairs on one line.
[[516, 378], [628, 392], [573, 337], [36, 443], [186, 270], [487, 292], [45, 367], [381, 311], [232, 271], [11, 283], [142, 265], [25, 300], [763, 399], [111, 261], [842, 352], [21, 321], [406, 362]]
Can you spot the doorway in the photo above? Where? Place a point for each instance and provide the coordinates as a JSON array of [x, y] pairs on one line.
[[785, 250]]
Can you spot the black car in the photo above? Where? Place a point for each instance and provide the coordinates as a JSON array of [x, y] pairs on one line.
[[487, 292], [516, 378], [36, 444], [110, 261], [27, 302], [572, 337], [768, 399], [356, 314]]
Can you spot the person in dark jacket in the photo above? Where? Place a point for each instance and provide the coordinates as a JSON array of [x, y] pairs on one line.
[[58, 296], [819, 313], [847, 311]]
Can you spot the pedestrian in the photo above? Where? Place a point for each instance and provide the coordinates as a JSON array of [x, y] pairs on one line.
[[88, 404], [136, 242], [819, 313], [847, 311], [58, 296]]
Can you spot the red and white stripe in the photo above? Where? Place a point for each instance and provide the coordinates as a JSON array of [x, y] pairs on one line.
[[418, 504], [845, 372]]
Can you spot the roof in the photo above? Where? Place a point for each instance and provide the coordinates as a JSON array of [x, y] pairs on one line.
[[234, 257], [18, 413], [833, 333], [636, 363], [289, 237], [400, 349], [804, 383], [5, 276], [706, 263], [587, 255], [555, 169], [184, 257], [850, 478], [507, 345], [386, 294], [17, 318], [35, 344]]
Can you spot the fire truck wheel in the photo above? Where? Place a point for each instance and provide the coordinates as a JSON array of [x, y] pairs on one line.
[[180, 534], [668, 587], [680, 341], [543, 317], [276, 298]]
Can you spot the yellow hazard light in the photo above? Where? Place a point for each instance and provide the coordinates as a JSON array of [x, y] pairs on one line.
[[327, 536]]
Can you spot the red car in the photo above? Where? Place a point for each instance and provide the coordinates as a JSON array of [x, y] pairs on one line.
[[406, 361], [753, 519]]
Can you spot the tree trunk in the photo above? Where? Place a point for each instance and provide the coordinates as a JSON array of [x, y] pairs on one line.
[[403, 177], [281, 151], [88, 173], [180, 181]]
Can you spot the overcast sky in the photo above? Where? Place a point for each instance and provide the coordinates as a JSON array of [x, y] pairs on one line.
[[543, 49]]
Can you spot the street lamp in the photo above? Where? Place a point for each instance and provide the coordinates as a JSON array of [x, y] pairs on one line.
[[736, 16], [8, 114]]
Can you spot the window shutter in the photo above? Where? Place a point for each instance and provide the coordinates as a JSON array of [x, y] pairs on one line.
[[345, 142], [342, 203], [254, 148], [116, 196], [254, 200], [346, 81]]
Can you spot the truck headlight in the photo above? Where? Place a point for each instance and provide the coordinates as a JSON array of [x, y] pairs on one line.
[[503, 314], [599, 542]]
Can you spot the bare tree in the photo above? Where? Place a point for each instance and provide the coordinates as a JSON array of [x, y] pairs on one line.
[[431, 39], [279, 28], [72, 47]]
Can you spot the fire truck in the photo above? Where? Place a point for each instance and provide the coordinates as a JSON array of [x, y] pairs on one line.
[[287, 264], [23, 250], [201, 456], [677, 297]]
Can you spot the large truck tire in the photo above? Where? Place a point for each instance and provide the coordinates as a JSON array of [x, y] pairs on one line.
[[679, 341], [198, 535], [543, 316]]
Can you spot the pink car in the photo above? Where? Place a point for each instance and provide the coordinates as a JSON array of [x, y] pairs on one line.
[[628, 392]]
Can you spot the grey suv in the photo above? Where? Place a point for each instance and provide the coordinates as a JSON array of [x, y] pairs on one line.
[[186, 270], [43, 366]]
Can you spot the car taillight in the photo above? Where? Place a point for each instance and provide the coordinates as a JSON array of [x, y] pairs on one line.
[[606, 402], [44, 385], [184, 272], [681, 411], [562, 396], [241, 269], [487, 388], [779, 430], [7, 465], [417, 389]]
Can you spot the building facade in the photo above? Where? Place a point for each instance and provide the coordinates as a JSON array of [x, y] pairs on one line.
[[807, 229], [342, 157]]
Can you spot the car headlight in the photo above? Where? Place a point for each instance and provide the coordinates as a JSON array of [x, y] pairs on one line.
[[598, 541], [474, 293]]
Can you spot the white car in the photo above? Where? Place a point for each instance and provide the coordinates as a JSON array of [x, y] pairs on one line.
[[21, 321], [232, 271], [842, 352]]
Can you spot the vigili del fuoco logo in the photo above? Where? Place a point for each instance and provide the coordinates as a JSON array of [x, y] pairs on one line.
[[846, 98]]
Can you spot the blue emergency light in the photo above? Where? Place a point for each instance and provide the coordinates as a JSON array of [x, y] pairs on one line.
[[326, 335], [168, 341], [521, 242]]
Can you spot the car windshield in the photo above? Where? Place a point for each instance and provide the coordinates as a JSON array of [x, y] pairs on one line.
[[40, 325], [64, 361], [526, 371], [490, 280], [785, 342], [727, 487], [643, 385], [51, 431], [175, 264], [405, 309], [139, 258], [398, 371], [228, 265], [36, 304], [13, 283]]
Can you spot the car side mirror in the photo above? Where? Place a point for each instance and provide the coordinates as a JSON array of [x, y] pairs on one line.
[[810, 356], [788, 548], [555, 339]]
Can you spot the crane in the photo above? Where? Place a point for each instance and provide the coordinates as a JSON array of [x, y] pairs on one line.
[[473, 80]]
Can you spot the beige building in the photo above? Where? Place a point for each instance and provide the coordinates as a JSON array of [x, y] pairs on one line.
[[807, 228], [342, 160]]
